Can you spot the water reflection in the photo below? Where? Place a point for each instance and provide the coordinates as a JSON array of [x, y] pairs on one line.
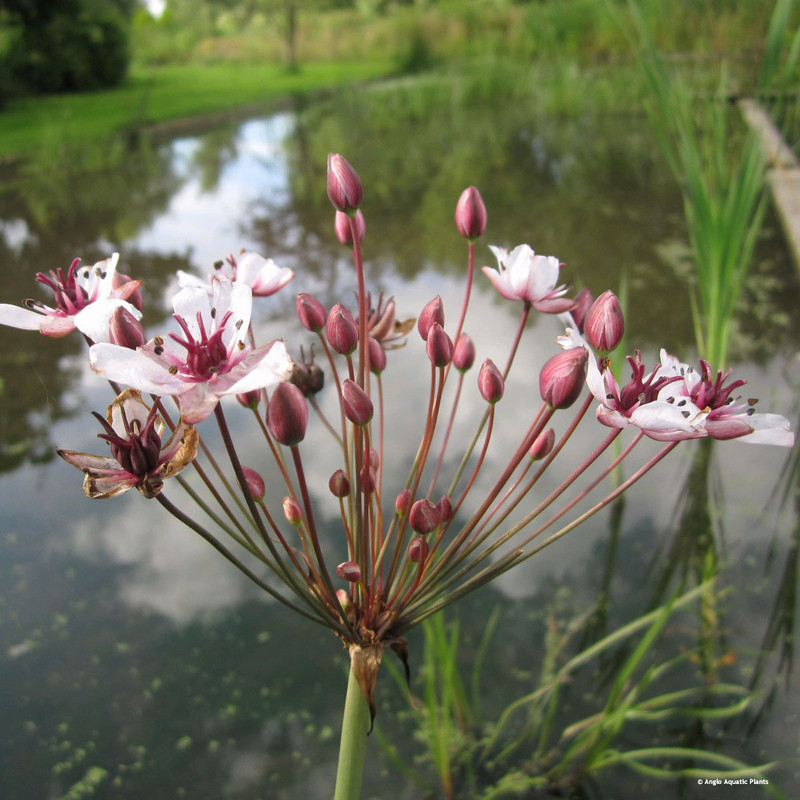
[[127, 639]]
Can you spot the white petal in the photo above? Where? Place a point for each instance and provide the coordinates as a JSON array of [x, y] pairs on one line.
[[659, 419], [18, 317], [190, 301], [133, 368], [197, 402], [274, 366], [187, 279], [769, 429], [92, 321]]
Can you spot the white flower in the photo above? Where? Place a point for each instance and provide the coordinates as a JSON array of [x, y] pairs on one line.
[[262, 275], [211, 357], [84, 298], [720, 414], [523, 275]]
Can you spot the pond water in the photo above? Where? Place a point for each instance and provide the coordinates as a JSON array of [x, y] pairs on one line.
[[134, 660]]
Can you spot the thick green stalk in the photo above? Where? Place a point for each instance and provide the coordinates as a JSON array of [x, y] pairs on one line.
[[353, 743]]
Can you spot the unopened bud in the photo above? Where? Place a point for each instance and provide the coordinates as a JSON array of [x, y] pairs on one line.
[[464, 353], [341, 330], [604, 324], [349, 571], [250, 399], [339, 484], [433, 312], [490, 382], [344, 186], [445, 508], [439, 346], [562, 377], [358, 407], [287, 414], [403, 502], [291, 511], [424, 517], [542, 445], [583, 301], [344, 598], [470, 214], [125, 330], [377, 356], [367, 479], [344, 233], [255, 483], [311, 312], [417, 550]]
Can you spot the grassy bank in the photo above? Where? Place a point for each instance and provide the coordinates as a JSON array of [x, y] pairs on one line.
[[163, 94]]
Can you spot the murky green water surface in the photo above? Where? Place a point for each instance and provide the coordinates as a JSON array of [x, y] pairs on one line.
[[135, 663]]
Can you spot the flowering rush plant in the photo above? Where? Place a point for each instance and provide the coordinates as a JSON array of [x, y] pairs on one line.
[[397, 556]]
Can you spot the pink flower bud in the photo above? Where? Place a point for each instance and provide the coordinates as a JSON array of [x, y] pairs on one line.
[[250, 399], [370, 456], [424, 517], [490, 382], [287, 414], [344, 598], [470, 214], [125, 330], [311, 312], [344, 233], [403, 501], [583, 300], [339, 484], [255, 483], [349, 571], [562, 377], [433, 312], [439, 346], [344, 186], [542, 445], [377, 356], [417, 550], [292, 512], [464, 353], [357, 405], [445, 508], [604, 324], [367, 479], [341, 330]]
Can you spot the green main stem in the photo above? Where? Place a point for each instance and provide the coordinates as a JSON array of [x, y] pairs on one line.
[[353, 744]]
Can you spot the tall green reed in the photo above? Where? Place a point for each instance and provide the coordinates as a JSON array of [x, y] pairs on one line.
[[721, 177]]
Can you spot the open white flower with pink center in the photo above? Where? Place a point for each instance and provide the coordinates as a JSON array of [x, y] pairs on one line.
[[720, 414], [210, 358], [639, 404], [139, 457], [262, 275], [523, 275], [83, 298]]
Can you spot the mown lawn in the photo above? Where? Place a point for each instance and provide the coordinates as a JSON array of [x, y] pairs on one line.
[[162, 94]]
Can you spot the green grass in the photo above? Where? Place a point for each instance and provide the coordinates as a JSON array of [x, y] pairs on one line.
[[163, 94]]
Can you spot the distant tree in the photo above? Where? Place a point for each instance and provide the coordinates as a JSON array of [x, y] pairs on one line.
[[70, 45]]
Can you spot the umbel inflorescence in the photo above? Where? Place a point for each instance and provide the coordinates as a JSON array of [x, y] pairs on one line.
[[397, 557]]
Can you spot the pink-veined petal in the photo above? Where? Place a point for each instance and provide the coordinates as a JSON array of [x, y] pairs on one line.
[[18, 317], [133, 368], [500, 283], [266, 366]]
